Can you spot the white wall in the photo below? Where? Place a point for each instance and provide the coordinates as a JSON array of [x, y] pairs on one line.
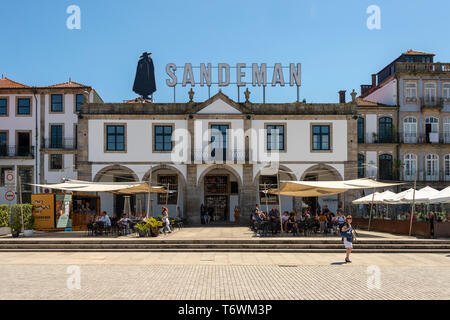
[[298, 140], [55, 176], [387, 94], [139, 141]]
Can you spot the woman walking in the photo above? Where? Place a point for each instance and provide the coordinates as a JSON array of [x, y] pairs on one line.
[[348, 237]]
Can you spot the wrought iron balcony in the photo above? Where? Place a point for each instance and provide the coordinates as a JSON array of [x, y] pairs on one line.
[[66, 144], [16, 152], [431, 102], [426, 175], [371, 138], [433, 138]]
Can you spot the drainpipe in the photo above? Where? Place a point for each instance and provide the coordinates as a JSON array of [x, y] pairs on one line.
[[399, 129], [36, 135]]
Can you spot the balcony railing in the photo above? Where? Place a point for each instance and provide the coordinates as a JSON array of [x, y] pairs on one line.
[[370, 138], [433, 138], [431, 102], [16, 152], [219, 155], [67, 144], [421, 67], [427, 176]]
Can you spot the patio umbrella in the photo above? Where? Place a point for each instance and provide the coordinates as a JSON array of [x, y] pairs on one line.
[[442, 196], [420, 196]]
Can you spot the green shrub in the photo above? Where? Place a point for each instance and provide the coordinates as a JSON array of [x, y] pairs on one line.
[[16, 221], [4, 215], [28, 219], [142, 226]]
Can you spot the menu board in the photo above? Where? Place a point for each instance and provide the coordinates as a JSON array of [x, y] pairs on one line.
[[63, 203], [43, 211]]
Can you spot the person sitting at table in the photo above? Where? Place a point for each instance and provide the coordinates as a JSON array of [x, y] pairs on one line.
[[274, 219], [284, 220], [105, 219], [124, 221], [291, 223]]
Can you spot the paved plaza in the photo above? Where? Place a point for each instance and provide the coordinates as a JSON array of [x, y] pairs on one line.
[[249, 276]]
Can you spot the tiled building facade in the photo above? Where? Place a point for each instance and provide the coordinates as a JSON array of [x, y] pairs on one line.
[[404, 122]]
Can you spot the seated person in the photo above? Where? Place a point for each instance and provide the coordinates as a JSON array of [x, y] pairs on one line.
[[105, 219], [124, 221], [285, 219], [292, 223]]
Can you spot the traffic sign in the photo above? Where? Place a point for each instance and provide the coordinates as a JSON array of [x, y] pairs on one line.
[[10, 195], [10, 180]]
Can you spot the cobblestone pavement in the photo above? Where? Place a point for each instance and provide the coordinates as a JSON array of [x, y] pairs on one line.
[[224, 276]]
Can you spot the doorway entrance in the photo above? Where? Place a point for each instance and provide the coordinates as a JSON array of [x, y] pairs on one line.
[[217, 192], [219, 205]]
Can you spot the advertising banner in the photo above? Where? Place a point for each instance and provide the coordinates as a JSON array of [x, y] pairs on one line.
[[43, 211], [63, 210]]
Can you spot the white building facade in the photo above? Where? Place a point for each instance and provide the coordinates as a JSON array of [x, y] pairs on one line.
[[213, 152], [38, 132], [404, 122]]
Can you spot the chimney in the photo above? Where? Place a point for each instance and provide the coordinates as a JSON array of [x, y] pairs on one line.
[[374, 80], [342, 96]]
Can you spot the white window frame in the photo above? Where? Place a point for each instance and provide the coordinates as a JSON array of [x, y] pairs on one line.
[[409, 90], [432, 167], [410, 136], [447, 167], [429, 92], [446, 91], [446, 130], [410, 168], [434, 124]]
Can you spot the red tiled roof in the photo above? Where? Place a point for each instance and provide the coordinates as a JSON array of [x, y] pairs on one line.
[[361, 102], [413, 53], [69, 84], [8, 83]]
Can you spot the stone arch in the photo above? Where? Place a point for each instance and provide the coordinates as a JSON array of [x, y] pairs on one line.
[[182, 190], [115, 167], [113, 204], [164, 167], [320, 168], [292, 176], [323, 172], [224, 167]]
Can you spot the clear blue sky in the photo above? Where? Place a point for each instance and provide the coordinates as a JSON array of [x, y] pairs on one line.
[[328, 37]]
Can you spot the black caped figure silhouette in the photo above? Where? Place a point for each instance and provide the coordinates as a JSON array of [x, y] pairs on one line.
[[144, 83]]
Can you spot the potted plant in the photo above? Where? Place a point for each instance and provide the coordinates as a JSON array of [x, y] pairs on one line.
[[154, 226], [374, 135], [142, 229], [16, 224], [4, 220], [28, 219]]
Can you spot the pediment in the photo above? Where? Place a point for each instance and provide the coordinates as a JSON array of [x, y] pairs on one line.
[[219, 107], [219, 104]]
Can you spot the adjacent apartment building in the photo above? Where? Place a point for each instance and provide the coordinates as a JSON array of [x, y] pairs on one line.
[[404, 122], [38, 132], [212, 152]]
